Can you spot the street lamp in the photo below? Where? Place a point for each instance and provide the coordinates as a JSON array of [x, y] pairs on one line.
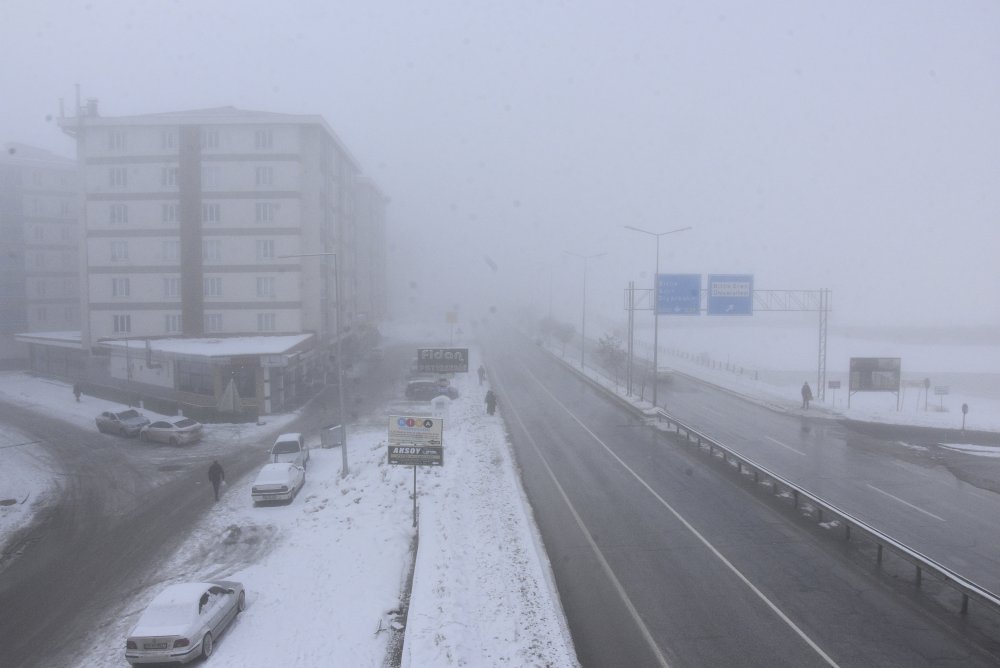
[[583, 317], [337, 352], [656, 312]]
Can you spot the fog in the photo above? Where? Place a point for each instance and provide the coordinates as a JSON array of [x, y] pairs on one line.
[[853, 146]]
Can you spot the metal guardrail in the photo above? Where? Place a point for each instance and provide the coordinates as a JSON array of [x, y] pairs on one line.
[[922, 563], [967, 588]]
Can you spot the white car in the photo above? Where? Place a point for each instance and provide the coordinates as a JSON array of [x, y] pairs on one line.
[[290, 448], [278, 482], [174, 431], [183, 621]]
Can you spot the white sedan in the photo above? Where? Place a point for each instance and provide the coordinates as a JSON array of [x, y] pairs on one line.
[[183, 621], [174, 431], [280, 481]]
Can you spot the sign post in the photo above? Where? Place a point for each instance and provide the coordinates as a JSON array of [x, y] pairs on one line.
[[416, 441]]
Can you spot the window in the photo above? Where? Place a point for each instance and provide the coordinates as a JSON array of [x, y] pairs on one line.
[[120, 287], [265, 322], [265, 286], [171, 250], [116, 141], [39, 259], [263, 140], [264, 176], [118, 214], [40, 289], [119, 250], [42, 314], [169, 212], [36, 206], [213, 287], [171, 288], [211, 213], [266, 212], [118, 177], [39, 233], [66, 233], [209, 139], [172, 323], [168, 139], [265, 249], [121, 324], [168, 177], [64, 208], [213, 322], [210, 176], [211, 249]]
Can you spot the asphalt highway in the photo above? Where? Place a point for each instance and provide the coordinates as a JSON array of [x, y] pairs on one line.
[[661, 560]]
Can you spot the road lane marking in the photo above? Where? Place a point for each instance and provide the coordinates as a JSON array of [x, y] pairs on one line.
[[785, 445], [605, 566], [906, 503], [746, 581]]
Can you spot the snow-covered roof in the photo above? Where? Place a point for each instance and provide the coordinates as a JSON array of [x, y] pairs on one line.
[[69, 339], [217, 346]]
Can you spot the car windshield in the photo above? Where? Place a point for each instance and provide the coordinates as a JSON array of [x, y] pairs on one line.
[[186, 422], [285, 447], [127, 415]]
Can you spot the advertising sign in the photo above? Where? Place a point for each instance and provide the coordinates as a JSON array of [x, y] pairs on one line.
[[875, 374], [416, 440], [443, 360], [678, 294], [730, 294]]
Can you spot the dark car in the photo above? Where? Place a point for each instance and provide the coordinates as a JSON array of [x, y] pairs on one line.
[[124, 423], [426, 390]]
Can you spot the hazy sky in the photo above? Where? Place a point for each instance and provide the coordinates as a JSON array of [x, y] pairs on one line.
[[851, 145]]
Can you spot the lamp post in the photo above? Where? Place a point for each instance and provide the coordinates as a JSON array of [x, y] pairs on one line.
[[583, 317], [337, 352], [656, 312]]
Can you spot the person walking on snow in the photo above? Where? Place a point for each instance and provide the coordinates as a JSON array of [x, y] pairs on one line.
[[77, 391], [491, 402], [482, 374], [217, 476], [807, 395]]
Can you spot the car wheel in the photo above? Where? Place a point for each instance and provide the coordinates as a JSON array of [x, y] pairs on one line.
[[241, 602], [207, 645]]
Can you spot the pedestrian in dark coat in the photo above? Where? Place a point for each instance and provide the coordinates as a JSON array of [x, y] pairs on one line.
[[491, 402], [807, 395], [482, 374], [77, 391], [217, 476]]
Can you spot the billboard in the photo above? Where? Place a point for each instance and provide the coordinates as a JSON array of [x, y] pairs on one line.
[[443, 360], [678, 294], [730, 294], [875, 374], [416, 440]]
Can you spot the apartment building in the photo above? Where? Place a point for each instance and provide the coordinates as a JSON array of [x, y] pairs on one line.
[[224, 223], [39, 247]]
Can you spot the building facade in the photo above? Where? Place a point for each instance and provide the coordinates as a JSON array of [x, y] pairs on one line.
[[39, 247], [223, 223]]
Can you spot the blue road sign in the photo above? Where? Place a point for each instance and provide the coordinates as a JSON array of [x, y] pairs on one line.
[[678, 294], [730, 294]]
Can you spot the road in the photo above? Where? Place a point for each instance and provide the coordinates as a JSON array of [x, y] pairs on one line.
[[124, 506], [662, 560], [899, 488]]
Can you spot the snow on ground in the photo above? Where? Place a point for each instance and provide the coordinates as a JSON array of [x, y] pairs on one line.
[[325, 573]]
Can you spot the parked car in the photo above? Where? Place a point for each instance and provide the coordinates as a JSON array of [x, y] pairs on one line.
[[124, 423], [426, 390], [278, 482], [173, 431], [183, 622], [290, 448]]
